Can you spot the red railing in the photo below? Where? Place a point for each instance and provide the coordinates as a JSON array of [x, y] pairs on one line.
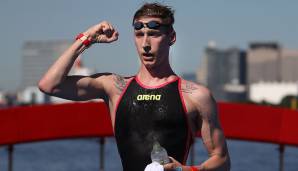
[[259, 123], [48, 122]]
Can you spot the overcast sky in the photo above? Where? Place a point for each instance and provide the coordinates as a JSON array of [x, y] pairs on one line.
[[228, 22]]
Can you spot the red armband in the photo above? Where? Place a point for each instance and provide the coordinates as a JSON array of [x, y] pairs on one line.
[[194, 168], [84, 39]]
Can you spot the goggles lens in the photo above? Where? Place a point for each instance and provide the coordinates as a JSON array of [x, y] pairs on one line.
[[151, 25]]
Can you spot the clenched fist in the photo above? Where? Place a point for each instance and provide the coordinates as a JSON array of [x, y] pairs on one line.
[[103, 32]]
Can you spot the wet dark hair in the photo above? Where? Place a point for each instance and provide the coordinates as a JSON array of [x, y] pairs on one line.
[[157, 10]]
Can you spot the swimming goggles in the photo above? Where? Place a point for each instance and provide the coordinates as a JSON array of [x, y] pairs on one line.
[[151, 25]]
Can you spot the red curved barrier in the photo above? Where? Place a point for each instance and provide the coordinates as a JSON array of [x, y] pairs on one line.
[[47, 122], [259, 123]]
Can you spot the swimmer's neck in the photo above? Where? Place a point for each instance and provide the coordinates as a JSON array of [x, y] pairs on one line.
[[156, 76]]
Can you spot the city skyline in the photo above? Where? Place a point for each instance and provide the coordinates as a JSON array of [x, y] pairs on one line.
[[231, 23]]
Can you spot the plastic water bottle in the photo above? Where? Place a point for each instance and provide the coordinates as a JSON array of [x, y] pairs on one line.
[[159, 154]]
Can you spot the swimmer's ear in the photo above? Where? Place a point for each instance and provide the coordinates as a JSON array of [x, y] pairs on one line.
[[172, 38]]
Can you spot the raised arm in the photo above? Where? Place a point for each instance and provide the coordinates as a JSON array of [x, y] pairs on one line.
[[55, 82], [212, 134]]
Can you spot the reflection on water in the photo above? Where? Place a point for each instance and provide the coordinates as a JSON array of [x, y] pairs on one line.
[[83, 154]]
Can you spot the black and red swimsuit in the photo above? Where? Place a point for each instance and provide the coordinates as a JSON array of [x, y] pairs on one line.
[[145, 114]]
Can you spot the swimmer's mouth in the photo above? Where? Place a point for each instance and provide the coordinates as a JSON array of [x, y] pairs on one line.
[[148, 55]]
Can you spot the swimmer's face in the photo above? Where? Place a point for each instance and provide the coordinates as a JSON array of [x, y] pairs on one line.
[[152, 41]]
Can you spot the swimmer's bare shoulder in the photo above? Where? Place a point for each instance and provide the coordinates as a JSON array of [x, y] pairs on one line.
[[194, 92], [114, 84]]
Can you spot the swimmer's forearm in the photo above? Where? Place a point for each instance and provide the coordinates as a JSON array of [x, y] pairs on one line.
[[215, 163], [59, 70]]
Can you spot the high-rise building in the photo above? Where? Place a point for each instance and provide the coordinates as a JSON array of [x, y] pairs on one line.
[[289, 63], [263, 62], [38, 56], [224, 73], [268, 62], [232, 74]]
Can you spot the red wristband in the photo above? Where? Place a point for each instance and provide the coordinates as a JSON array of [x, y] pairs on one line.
[[194, 168], [84, 39]]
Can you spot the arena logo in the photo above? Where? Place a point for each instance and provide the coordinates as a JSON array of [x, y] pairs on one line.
[[141, 97]]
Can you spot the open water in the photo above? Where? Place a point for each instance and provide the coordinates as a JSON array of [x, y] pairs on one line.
[[83, 155]]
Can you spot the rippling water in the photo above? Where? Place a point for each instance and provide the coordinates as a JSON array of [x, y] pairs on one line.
[[83, 155]]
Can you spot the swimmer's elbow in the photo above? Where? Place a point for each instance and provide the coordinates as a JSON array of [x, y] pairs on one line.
[[226, 162], [226, 166], [218, 162], [45, 87]]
